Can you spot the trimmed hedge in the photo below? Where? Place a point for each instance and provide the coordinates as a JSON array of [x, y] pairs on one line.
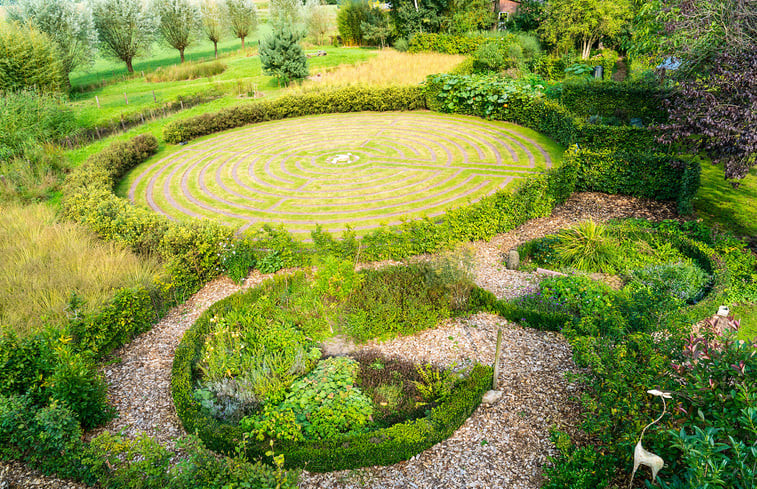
[[381, 447], [624, 100], [445, 43], [652, 176], [612, 159], [351, 99]]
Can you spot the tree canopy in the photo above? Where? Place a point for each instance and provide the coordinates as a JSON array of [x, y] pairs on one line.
[[179, 22], [126, 28], [584, 22]]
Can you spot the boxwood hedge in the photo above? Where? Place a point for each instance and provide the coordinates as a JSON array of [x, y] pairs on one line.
[[381, 447]]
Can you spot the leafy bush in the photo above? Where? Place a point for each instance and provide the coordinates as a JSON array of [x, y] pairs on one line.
[[237, 258], [251, 357], [30, 119], [76, 383], [350, 99], [445, 43], [586, 247], [29, 60], [324, 404]]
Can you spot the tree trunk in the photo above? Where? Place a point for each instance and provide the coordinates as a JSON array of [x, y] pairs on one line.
[[215, 46], [129, 68], [242, 42], [585, 49], [416, 5], [181, 53]]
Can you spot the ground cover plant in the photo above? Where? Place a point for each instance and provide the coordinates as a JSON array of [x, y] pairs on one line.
[[276, 386]]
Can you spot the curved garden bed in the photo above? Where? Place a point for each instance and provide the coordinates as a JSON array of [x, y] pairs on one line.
[[317, 413]]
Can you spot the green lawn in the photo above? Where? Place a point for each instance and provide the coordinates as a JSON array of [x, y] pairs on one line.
[[122, 96], [406, 166], [719, 204]]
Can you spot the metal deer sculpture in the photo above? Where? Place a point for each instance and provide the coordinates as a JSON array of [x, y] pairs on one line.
[[642, 456]]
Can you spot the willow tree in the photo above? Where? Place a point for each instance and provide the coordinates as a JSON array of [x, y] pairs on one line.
[[214, 22], [243, 17], [179, 23], [126, 29]]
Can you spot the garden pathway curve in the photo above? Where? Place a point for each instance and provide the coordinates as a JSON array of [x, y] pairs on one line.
[[502, 446]]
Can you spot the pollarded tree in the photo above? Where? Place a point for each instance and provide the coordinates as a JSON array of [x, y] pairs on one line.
[[282, 56], [214, 22], [584, 21], [68, 25], [125, 28], [317, 20], [179, 23], [242, 16], [286, 14]]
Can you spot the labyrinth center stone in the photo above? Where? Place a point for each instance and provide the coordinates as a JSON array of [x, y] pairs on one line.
[[359, 170]]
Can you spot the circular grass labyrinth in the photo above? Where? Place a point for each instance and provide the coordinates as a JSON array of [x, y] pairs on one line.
[[359, 170]]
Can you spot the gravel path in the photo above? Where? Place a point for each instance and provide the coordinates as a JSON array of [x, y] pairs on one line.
[[504, 445]]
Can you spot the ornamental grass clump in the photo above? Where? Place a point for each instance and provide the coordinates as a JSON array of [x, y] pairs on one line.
[[587, 248]]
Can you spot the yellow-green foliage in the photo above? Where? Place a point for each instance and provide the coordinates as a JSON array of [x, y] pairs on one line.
[[389, 67], [28, 60], [186, 71], [44, 261]]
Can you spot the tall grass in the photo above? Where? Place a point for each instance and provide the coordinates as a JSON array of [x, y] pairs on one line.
[[389, 67], [186, 71], [43, 262]]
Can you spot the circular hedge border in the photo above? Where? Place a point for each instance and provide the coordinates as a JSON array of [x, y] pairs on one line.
[[384, 446]]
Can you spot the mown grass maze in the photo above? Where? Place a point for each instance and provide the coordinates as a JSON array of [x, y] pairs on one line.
[[357, 170]]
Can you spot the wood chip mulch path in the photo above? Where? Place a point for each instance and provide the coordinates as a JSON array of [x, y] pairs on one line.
[[504, 445]]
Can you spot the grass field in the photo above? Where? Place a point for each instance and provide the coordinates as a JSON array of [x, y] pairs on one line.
[[45, 261], [243, 75], [394, 166], [719, 204]]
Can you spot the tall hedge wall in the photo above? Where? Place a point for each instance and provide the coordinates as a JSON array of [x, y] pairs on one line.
[[606, 153]]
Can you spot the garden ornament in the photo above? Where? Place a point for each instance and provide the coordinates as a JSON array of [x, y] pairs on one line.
[[642, 456]]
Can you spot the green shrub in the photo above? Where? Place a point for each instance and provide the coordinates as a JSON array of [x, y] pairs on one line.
[[28, 60], [349, 19], [655, 176], [237, 258], [624, 100], [30, 119], [445, 43], [53, 440], [325, 404], [401, 44], [351, 99], [120, 463], [76, 383]]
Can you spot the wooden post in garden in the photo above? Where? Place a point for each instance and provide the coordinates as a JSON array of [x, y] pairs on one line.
[[496, 359], [126, 98], [97, 99], [154, 98]]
